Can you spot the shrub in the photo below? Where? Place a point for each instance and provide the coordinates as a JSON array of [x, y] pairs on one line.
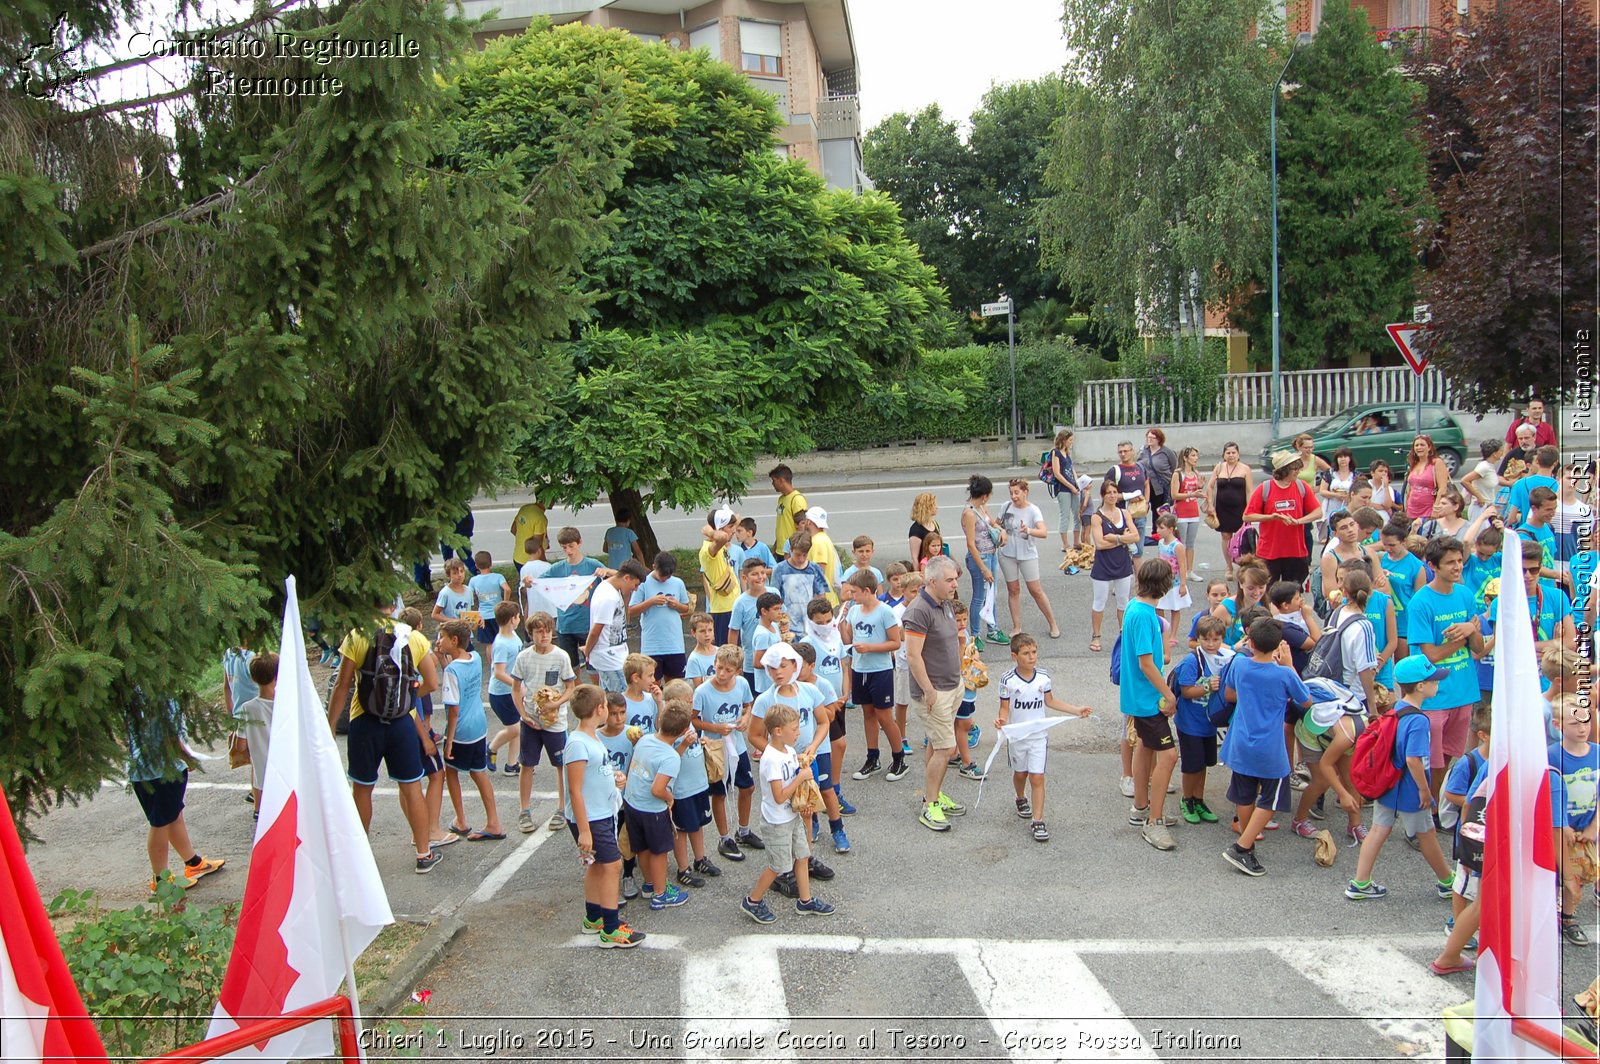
[[1174, 373]]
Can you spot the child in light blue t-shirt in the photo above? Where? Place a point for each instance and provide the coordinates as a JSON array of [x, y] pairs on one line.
[[489, 588], [466, 731]]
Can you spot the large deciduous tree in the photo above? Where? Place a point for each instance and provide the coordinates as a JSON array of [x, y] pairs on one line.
[[1159, 172], [735, 294], [1353, 205], [1512, 116], [265, 336]]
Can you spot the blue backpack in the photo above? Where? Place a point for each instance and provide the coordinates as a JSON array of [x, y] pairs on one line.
[[1116, 660]]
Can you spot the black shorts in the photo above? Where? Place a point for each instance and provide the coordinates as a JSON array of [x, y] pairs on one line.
[[836, 726], [162, 800], [670, 666], [719, 627], [743, 779], [1271, 794], [394, 744], [873, 689], [572, 643], [505, 709], [648, 832], [1196, 753], [967, 710], [750, 678], [432, 764], [488, 630], [1294, 570], [537, 740], [692, 813], [1153, 732], [469, 757], [1292, 713], [603, 834]]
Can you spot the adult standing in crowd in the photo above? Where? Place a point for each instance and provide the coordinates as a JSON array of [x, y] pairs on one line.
[[791, 507], [1159, 463], [1186, 493], [1131, 480], [1284, 506], [1069, 499], [1226, 494], [933, 657], [1544, 433], [984, 537], [1019, 555], [1521, 452], [1426, 477], [1112, 533], [924, 519]]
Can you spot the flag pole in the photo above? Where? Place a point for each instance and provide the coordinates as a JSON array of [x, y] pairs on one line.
[[355, 996]]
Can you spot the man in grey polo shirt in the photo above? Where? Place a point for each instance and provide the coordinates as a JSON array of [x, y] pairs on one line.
[[933, 655]]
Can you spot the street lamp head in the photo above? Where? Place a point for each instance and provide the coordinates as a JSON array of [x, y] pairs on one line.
[[1301, 39]]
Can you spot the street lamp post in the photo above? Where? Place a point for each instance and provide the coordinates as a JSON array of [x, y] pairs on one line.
[[1277, 358]]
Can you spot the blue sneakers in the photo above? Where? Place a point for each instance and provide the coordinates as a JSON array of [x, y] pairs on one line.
[[668, 898], [972, 737], [841, 844], [845, 808], [757, 910], [814, 907]]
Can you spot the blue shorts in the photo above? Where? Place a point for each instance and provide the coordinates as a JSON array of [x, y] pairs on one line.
[[488, 630], [162, 800], [1262, 793], [469, 757], [603, 834], [874, 689], [742, 777], [967, 710], [822, 769], [433, 764], [648, 832], [505, 708], [692, 813], [393, 743], [537, 740], [670, 666]]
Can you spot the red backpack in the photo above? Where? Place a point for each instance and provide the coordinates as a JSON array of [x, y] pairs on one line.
[[1372, 767]]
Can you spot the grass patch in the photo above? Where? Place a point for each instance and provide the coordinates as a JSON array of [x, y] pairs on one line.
[[380, 959]]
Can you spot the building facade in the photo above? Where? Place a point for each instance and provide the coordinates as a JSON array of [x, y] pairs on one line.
[[801, 51]]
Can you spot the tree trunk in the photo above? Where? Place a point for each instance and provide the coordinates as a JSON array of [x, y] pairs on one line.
[[629, 499]]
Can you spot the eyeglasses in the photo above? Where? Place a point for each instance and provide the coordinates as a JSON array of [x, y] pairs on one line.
[[1533, 568]]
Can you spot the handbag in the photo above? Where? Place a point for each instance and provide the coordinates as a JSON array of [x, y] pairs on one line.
[[1139, 507], [1211, 521], [238, 751], [716, 757]]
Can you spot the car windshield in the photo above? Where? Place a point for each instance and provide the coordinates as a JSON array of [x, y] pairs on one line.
[[1337, 421]]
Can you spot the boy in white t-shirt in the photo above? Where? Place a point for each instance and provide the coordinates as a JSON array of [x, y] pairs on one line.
[[541, 665], [786, 835], [1025, 694]]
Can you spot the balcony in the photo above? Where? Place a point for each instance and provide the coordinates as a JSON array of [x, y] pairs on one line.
[[838, 118]]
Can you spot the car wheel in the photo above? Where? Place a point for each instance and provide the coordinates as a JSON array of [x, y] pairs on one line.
[[1452, 460]]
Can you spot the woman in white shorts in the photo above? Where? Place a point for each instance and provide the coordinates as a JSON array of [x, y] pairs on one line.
[[1019, 555], [1112, 532]]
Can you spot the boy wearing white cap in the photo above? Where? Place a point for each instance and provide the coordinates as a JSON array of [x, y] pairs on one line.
[[823, 553]]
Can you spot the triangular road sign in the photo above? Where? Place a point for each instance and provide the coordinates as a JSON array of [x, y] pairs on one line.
[[1404, 334]]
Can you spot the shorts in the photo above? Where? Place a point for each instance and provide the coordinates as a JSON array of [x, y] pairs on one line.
[[488, 630], [648, 832], [393, 743], [1294, 570], [742, 778], [692, 813], [612, 682], [874, 690], [162, 800], [537, 740], [822, 770], [670, 666], [1262, 793], [1027, 756], [719, 627], [1312, 754], [787, 843], [938, 717], [1466, 883], [750, 678], [469, 757], [1025, 569], [572, 643], [1122, 587], [1414, 821], [1447, 733], [603, 834], [505, 709], [1196, 753], [1068, 504], [902, 684], [433, 764], [836, 726], [967, 710], [1153, 732]]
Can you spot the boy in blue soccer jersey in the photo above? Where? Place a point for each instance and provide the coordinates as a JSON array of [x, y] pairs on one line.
[[466, 729]]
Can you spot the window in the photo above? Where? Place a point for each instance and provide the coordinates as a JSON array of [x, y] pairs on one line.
[[708, 37], [781, 150], [647, 38], [761, 47]]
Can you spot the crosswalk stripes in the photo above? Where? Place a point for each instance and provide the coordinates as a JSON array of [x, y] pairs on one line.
[[1042, 994]]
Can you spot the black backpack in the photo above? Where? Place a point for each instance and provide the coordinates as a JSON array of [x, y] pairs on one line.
[[1327, 657], [383, 687]]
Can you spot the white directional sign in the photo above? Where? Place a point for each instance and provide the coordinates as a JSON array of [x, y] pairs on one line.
[[997, 310]]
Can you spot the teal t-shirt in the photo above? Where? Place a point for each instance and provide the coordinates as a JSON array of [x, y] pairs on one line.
[[870, 627], [1141, 634], [618, 545], [651, 758], [490, 589], [1430, 614], [1402, 578], [1378, 614], [464, 688], [504, 652], [599, 785], [641, 713]]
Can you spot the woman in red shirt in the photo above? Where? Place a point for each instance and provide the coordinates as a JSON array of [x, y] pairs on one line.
[[1284, 506]]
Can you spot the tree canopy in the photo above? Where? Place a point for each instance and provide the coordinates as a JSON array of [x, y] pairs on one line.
[[254, 337], [734, 293], [1353, 205]]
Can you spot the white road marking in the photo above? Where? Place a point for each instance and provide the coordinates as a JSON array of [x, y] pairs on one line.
[[1351, 971], [741, 979], [503, 871]]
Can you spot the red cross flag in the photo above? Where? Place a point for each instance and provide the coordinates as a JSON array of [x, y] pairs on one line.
[[42, 1017], [314, 899]]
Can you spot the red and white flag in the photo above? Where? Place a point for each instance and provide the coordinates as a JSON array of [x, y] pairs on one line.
[[42, 1017], [314, 899], [1519, 953]]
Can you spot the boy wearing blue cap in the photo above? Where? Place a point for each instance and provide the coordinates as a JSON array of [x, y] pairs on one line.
[[1410, 801]]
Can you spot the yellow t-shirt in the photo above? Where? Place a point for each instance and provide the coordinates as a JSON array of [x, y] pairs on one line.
[[529, 522], [790, 506], [825, 554], [719, 574], [355, 647]]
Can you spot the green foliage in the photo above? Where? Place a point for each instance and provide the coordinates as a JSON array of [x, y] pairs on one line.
[[734, 293], [1352, 199], [150, 975], [1159, 169], [1175, 373], [281, 343]]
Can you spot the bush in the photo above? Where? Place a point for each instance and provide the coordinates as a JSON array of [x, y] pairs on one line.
[[1170, 374], [149, 975]]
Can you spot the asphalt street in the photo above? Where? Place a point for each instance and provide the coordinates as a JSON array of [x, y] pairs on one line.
[[978, 943]]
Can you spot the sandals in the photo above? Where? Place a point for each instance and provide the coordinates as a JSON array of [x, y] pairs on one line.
[[1094, 645], [487, 836], [1455, 969]]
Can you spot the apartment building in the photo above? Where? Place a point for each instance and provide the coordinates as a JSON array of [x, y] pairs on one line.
[[801, 51]]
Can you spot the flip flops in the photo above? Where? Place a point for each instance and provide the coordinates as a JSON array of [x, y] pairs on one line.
[[1455, 969], [487, 836]]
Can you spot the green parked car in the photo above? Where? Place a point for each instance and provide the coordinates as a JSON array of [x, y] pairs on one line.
[[1383, 430]]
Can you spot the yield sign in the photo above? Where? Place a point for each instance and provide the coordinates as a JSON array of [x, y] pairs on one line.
[[1405, 334]]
